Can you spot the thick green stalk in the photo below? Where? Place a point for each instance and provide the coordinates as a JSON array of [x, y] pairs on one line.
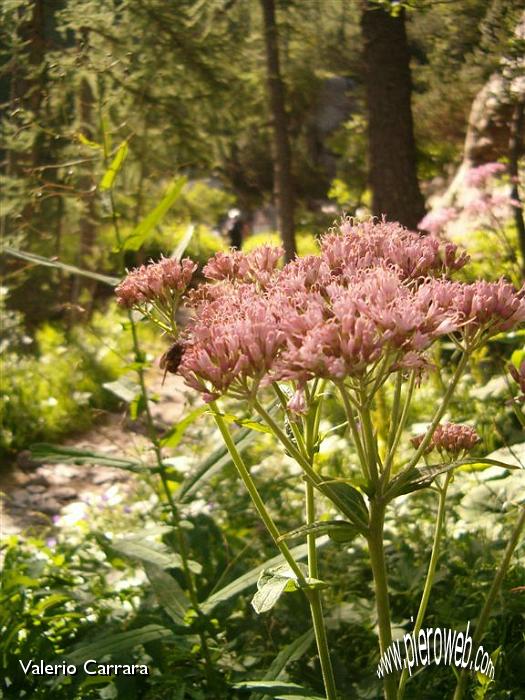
[[491, 597], [429, 581], [378, 564]]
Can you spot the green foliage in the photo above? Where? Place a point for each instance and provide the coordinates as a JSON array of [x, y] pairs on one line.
[[57, 388]]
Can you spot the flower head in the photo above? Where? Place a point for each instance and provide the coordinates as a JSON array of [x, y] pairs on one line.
[[155, 282]]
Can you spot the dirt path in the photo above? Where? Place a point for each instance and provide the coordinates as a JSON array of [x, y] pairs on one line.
[[33, 496]]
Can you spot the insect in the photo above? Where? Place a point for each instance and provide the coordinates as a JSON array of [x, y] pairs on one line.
[[171, 359]]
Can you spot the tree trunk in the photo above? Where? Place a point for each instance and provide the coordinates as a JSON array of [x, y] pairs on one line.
[[392, 152], [282, 159]]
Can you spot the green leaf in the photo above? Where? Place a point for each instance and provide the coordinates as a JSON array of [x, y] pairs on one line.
[[109, 176], [349, 500], [337, 530], [142, 231], [422, 477], [275, 581], [270, 587], [124, 388], [250, 578], [170, 595], [276, 689], [174, 436], [149, 553], [118, 643], [288, 654], [71, 269]]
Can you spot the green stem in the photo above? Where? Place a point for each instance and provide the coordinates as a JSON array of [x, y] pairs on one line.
[[354, 430], [429, 581], [395, 411], [491, 597], [399, 431], [439, 413], [153, 437], [316, 610], [378, 564], [370, 444], [305, 465], [316, 607], [254, 494]]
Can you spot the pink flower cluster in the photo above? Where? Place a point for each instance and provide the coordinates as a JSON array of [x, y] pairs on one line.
[[452, 438], [480, 175], [157, 282], [377, 293]]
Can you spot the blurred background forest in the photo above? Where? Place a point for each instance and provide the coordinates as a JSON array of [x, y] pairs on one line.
[[135, 129]]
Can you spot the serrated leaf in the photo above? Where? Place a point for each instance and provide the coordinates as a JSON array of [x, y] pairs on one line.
[[174, 436], [269, 593], [109, 176], [142, 231], [333, 528], [117, 643], [170, 595], [277, 580]]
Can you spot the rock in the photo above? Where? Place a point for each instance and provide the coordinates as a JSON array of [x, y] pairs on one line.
[[36, 488], [20, 496], [39, 478], [65, 493], [50, 506], [102, 476]]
